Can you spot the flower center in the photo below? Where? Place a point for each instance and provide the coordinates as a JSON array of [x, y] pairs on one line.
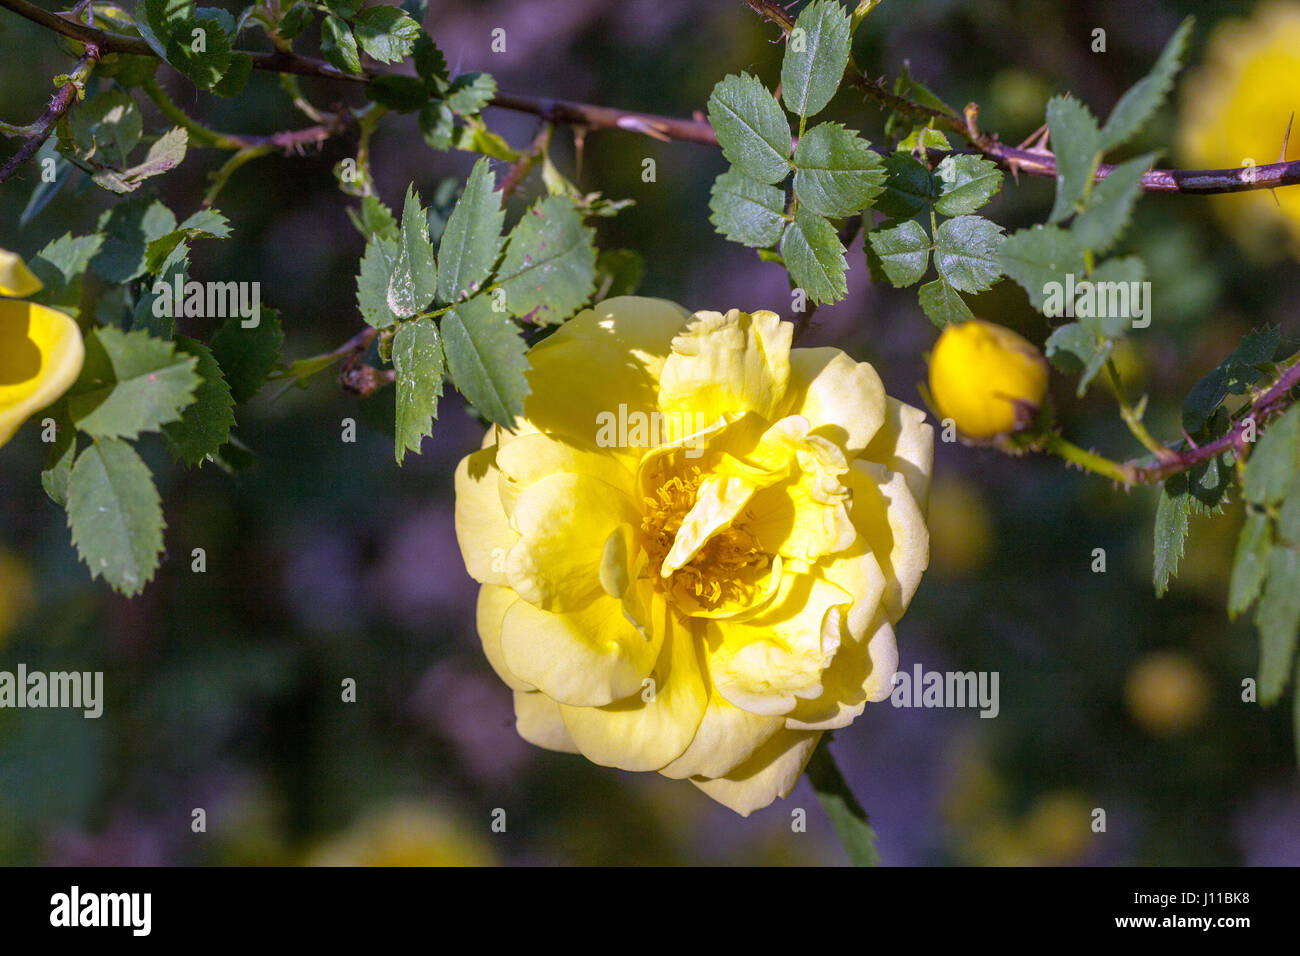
[[728, 569]]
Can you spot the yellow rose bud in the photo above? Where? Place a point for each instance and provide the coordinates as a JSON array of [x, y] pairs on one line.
[[695, 544], [40, 357], [15, 278], [986, 378]]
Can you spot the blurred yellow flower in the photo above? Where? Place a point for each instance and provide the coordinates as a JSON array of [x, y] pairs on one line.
[[17, 593], [1058, 828], [1167, 693], [40, 357], [695, 544], [1235, 111], [961, 528], [986, 378], [406, 833]]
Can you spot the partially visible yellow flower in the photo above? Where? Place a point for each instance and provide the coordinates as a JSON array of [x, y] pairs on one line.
[[1058, 828], [961, 529], [1235, 111], [406, 833], [40, 357], [986, 378], [695, 544], [17, 593], [1167, 693], [15, 278]]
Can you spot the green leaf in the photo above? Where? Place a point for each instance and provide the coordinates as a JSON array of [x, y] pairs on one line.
[[942, 303], [223, 18], [747, 211], [618, 272], [43, 191], [437, 124], [59, 456], [1275, 460], [850, 821], [206, 224], [430, 64], [128, 228], [64, 259], [909, 187], [1250, 566], [837, 174], [1278, 620], [751, 128], [115, 515], [377, 267], [815, 57], [248, 355], [1110, 205], [487, 359], [1288, 516], [297, 19], [550, 263], [405, 94], [471, 241], [470, 92], [1074, 349], [417, 357], [205, 425], [345, 9], [339, 46], [475, 137], [966, 252], [158, 20], [234, 80], [1234, 375], [1170, 535], [106, 127], [1142, 99], [965, 184], [815, 258], [1077, 144], [386, 33], [1108, 311], [922, 139], [165, 154], [201, 50], [373, 219], [904, 251], [1039, 256], [414, 277], [130, 383]]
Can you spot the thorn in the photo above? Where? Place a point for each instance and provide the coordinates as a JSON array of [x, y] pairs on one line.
[[1287, 138], [637, 125], [1040, 133]]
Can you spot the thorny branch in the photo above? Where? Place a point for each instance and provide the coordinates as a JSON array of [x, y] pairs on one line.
[[587, 116]]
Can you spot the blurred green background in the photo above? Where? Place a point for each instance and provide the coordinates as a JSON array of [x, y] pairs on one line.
[[328, 562]]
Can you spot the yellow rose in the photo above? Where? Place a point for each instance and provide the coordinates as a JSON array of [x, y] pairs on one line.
[[40, 352], [695, 543], [15, 278], [1235, 111], [986, 378]]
